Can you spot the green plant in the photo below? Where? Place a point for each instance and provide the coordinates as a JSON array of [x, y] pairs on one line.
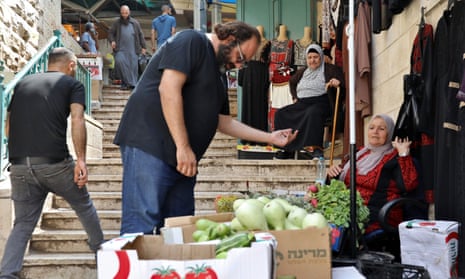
[[333, 201]]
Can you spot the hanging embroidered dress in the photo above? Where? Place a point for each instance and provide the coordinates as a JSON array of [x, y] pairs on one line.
[[281, 57]]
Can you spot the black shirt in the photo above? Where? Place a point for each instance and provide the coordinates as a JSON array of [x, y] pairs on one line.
[[204, 97], [39, 110]]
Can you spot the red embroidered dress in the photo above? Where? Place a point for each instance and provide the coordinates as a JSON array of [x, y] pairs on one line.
[[379, 186]]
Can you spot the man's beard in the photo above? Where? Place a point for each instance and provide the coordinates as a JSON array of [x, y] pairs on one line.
[[124, 21], [223, 57]]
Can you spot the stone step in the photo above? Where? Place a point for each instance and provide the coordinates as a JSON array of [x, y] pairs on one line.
[[227, 143], [106, 195], [114, 103], [100, 115], [64, 218], [111, 150], [59, 266], [107, 123], [110, 220], [231, 167], [58, 241], [108, 97], [220, 182]]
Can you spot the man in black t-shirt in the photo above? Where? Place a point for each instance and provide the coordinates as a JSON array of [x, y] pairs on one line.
[[40, 161], [171, 117]]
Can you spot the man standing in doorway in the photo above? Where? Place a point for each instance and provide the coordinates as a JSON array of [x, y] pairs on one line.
[[163, 27], [40, 161], [127, 42]]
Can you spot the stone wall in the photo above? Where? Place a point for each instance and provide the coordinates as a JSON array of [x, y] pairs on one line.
[[19, 32], [25, 27]]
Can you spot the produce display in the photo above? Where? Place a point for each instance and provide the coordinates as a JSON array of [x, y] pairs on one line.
[[255, 214], [320, 206], [333, 201]]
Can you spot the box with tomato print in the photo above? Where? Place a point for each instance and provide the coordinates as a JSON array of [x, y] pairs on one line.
[[148, 256], [298, 252]]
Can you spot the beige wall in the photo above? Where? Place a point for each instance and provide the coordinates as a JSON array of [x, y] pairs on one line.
[[94, 139], [391, 54]]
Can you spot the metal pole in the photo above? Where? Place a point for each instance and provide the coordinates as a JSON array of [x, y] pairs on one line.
[[353, 204], [216, 13], [200, 15]]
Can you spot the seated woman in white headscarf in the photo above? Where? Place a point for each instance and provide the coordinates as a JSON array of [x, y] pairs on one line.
[[310, 88]]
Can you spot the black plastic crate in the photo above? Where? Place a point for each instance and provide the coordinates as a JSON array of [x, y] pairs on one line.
[[380, 270]]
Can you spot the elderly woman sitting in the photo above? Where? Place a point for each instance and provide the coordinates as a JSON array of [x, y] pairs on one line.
[[385, 170], [309, 88]]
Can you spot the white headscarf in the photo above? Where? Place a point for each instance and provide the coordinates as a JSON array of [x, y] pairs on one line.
[[313, 82], [370, 161]]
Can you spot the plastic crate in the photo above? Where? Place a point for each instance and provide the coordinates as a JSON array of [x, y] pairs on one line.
[[380, 270]]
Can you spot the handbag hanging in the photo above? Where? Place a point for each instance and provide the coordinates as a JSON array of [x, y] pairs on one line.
[[408, 119]]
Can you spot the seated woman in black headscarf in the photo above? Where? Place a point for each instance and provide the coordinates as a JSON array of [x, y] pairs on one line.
[[309, 87]]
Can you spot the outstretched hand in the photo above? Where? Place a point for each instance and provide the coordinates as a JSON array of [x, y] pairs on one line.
[[283, 137]]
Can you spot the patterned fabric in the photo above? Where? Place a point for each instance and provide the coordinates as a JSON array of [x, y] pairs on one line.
[[281, 56], [381, 184], [300, 57]]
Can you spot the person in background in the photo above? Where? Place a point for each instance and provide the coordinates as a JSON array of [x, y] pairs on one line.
[[163, 135], [40, 161], [163, 27], [309, 87], [385, 170], [89, 40], [127, 42]]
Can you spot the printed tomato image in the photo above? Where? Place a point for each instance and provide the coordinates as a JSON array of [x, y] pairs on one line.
[[201, 272], [165, 273]]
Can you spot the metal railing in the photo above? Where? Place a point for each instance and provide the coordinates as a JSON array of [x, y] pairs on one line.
[[37, 64]]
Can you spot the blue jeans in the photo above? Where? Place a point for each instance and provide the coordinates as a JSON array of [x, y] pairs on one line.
[[152, 191], [29, 188]]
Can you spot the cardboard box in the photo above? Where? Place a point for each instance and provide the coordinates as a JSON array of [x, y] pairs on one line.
[[431, 244], [145, 256], [179, 230], [303, 253]]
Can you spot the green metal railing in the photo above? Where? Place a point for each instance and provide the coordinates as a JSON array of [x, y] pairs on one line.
[[37, 64]]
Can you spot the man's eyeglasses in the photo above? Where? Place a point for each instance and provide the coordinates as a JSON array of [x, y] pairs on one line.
[[241, 57]]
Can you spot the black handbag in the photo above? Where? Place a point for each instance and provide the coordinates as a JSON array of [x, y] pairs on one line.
[[408, 119]]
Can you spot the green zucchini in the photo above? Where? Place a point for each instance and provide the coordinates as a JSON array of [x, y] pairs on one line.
[[240, 239]]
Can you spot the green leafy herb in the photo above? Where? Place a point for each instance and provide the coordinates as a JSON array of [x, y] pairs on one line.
[[334, 204]]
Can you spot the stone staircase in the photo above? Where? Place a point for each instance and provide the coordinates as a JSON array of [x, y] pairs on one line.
[[58, 247]]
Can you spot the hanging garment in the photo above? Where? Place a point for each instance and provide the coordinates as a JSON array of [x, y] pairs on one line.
[[254, 80], [281, 57], [363, 90], [449, 49], [300, 57]]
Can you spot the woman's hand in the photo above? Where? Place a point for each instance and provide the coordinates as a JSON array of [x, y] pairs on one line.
[[334, 171], [402, 146], [334, 82]]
